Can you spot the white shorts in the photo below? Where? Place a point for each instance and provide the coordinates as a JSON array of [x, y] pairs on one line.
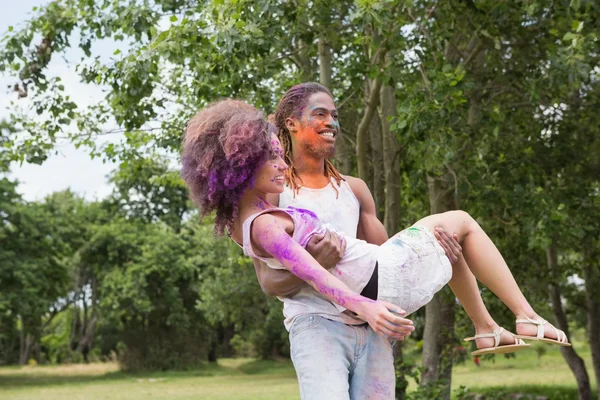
[[412, 267]]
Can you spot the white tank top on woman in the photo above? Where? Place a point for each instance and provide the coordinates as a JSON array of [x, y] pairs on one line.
[[339, 211]]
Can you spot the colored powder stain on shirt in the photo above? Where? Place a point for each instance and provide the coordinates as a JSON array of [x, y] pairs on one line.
[[304, 212], [398, 242]]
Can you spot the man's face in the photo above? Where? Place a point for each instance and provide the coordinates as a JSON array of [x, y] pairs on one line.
[[317, 129]]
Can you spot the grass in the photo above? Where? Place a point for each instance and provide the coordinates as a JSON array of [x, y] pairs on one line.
[[229, 379], [254, 379]]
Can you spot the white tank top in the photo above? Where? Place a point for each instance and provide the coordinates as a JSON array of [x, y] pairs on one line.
[[340, 211]]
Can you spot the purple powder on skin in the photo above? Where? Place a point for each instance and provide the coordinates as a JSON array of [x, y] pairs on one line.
[[281, 250]]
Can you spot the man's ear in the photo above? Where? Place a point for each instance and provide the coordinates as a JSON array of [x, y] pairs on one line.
[[291, 124]]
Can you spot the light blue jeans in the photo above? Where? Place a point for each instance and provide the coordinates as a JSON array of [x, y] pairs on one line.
[[335, 361]]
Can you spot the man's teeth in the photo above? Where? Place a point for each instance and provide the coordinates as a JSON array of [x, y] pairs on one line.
[[328, 134]]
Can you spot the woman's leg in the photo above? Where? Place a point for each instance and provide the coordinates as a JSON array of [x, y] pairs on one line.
[[464, 286], [487, 264]]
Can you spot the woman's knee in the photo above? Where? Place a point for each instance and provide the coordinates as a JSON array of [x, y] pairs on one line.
[[462, 220], [456, 221]]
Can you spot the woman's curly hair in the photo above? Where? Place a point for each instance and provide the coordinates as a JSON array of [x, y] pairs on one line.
[[223, 146]]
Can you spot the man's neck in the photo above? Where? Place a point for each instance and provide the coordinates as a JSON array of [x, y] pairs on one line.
[[311, 171]]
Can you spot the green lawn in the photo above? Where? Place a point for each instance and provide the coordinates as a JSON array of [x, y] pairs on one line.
[[249, 379], [548, 375]]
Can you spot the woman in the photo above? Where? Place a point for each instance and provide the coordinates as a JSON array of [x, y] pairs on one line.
[[232, 160]]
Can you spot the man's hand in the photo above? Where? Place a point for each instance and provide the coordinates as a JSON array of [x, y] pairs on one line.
[[327, 249], [449, 244]]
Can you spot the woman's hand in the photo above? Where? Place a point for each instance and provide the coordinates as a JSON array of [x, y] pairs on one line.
[[385, 319]]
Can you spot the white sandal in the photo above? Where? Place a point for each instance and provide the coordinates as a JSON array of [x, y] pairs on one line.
[[561, 336], [497, 349]]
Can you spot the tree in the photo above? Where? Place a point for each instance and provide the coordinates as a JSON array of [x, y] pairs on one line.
[[452, 99], [35, 270]]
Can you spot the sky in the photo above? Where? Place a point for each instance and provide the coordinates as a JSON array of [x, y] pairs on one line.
[[70, 168]]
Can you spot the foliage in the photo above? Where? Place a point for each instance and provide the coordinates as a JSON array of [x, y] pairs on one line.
[[496, 99]]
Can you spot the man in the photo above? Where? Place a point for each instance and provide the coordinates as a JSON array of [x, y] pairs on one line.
[[336, 355]]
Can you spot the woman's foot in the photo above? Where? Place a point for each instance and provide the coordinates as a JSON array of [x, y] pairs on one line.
[[498, 341], [536, 328]]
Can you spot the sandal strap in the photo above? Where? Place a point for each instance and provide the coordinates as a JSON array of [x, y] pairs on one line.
[[495, 334], [560, 335], [540, 325]]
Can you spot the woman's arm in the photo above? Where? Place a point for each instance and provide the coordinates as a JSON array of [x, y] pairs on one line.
[[269, 236], [327, 249]]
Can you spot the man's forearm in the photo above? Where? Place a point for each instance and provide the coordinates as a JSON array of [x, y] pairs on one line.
[[277, 282]]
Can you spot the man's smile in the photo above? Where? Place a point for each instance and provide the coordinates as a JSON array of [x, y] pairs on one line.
[[328, 133]]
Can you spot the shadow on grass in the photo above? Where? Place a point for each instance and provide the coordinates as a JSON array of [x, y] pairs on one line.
[[524, 392], [263, 367], [47, 378], [29, 379]]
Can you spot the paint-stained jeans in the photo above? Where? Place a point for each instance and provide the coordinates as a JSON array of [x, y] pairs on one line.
[[334, 361]]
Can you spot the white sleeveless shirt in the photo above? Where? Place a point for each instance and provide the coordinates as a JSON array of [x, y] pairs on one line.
[[338, 211]]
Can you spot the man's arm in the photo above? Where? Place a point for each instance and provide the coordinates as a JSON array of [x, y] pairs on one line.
[[276, 282], [370, 228]]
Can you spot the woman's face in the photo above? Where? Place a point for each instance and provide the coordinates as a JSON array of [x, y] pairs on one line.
[[270, 177]]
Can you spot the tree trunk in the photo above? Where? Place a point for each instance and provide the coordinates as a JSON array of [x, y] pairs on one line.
[[362, 137], [391, 162], [86, 341], [570, 355], [84, 323], [26, 346], [401, 370], [324, 63], [74, 328], [438, 337], [591, 274], [344, 153], [438, 342], [303, 61], [377, 168]]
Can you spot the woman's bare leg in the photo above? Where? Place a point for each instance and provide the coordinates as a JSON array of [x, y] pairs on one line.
[[486, 263], [464, 286]]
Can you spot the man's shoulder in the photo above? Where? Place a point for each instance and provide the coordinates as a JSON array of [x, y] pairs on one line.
[[357, 185]]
